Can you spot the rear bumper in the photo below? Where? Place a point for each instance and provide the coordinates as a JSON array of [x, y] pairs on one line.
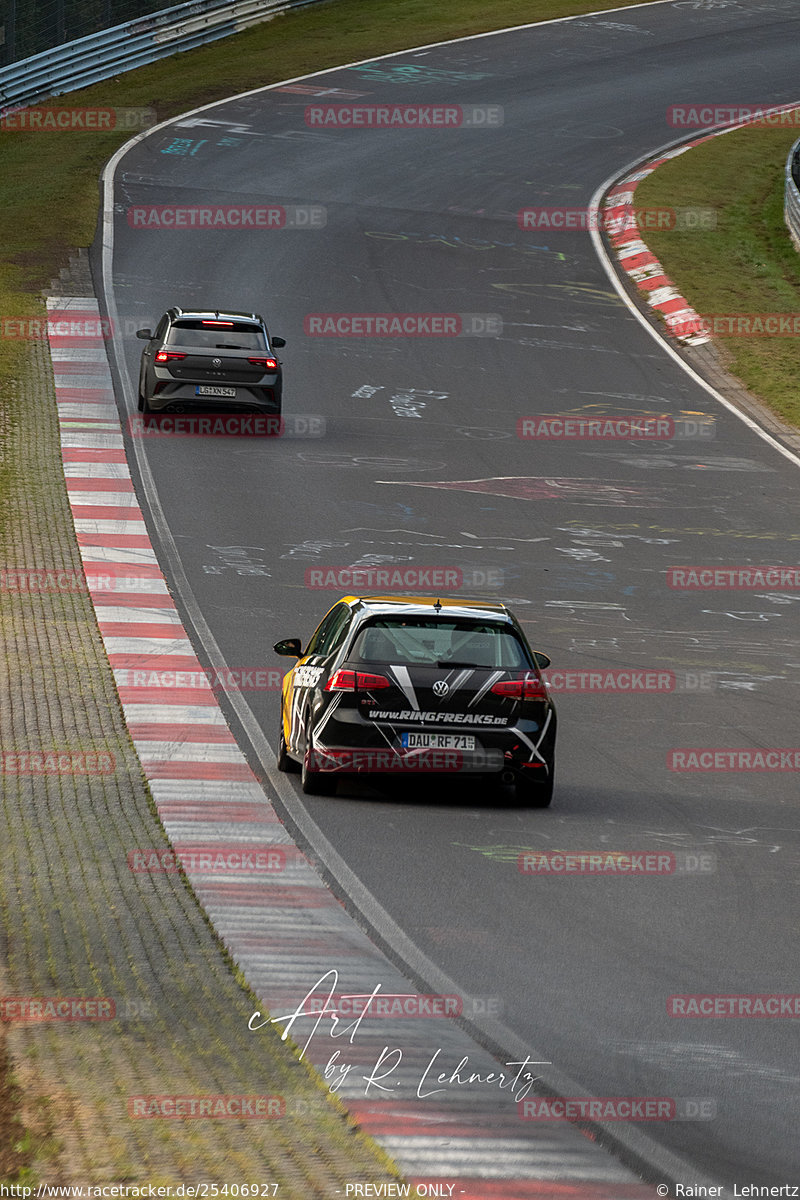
[[251, 399], [389, 761], [348, 744]]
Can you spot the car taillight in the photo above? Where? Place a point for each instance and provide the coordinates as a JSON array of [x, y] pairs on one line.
[[353, 681], [528, 687], [166, 355], [269, 364]]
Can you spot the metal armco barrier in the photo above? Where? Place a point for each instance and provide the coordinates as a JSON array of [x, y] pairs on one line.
[[791, 203], [100, 55]]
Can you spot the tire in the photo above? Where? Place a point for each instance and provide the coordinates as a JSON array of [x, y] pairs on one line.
[[284, 762], [535, 793], [142, 402], [316, 783]]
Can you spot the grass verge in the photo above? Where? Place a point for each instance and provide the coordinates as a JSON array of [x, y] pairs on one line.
[[748, 264], [16, 1145]]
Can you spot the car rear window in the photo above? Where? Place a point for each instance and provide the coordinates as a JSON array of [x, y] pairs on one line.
[[430, 642], [233, 335]]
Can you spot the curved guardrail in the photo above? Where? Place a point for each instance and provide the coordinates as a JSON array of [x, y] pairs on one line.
[[791, 201], [100, 55]]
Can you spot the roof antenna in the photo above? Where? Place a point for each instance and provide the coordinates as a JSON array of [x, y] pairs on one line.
[[438, 606]]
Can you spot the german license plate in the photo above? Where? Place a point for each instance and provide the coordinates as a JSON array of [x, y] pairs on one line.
[[438, 741], [202, 390]]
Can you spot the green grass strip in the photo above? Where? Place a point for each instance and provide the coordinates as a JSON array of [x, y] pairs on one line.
[[747, 264]]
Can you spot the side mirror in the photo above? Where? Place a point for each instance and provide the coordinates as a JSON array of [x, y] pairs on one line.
[[278, 342], [144, 334], [289, 647], [542, 660]]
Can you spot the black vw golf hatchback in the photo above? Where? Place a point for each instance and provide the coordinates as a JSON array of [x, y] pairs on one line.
[[415, 686]]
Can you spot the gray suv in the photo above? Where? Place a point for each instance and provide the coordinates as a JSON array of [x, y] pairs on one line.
[[217, 360]]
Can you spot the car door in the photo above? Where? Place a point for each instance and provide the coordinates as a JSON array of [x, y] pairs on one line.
[[146, 381], [307, 673]]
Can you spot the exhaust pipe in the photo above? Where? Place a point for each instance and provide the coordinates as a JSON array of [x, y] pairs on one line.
[[508, 777]]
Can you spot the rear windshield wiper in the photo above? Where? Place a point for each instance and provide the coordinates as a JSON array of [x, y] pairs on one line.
[[451, 662]]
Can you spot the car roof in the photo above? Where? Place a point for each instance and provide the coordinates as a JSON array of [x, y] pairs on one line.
[[213, 315], [425, 606]]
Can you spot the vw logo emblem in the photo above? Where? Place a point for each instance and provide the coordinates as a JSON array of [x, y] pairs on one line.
[[441, 688], [216, 362]]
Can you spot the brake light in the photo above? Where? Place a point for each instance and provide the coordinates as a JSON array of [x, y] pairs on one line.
[[217, 324], [527, 687], [353, 681], [166, 355], [269, 364]]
